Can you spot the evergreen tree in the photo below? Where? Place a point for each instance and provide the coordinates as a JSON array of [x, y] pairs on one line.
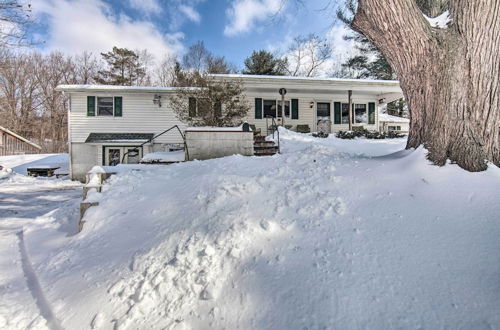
[[124, 68], [264, 63]]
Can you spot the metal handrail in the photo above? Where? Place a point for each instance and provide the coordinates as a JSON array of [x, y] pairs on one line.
[[275, 124], [158, 135]]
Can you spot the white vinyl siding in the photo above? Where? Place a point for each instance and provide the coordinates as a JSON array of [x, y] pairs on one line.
[[307, 115], [140, 115]]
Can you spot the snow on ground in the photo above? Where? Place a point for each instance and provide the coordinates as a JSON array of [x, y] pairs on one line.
[[164, 156], [20, 163], [330, 234], [25, 201]]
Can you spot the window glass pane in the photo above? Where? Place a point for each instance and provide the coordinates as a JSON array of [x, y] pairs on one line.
[[287, 109], [323, 111], [360, 113], [105, 106], [114, 157], [345, 113], [133, 156], [269, 108], [203, 107]]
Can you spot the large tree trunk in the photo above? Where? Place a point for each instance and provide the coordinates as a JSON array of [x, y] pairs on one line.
[[450, 77]]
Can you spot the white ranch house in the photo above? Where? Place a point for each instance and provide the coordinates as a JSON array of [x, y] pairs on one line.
[[106, 123]]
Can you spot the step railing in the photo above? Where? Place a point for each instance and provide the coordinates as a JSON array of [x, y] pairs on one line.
[[158, 135], [275, 129]]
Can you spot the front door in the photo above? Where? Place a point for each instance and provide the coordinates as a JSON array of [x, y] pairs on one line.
[[117, 155], [324, 122]]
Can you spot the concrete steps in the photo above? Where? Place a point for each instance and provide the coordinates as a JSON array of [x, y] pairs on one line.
[[262, 147]]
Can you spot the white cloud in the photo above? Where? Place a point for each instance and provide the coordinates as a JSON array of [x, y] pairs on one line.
[[190, 13], [244, 15], [78, 25], [334, 37], [149, 7]]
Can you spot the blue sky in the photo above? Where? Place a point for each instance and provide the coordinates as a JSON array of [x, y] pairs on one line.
[[233, 28]]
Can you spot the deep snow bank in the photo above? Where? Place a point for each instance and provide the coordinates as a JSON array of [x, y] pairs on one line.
[[326, 235]]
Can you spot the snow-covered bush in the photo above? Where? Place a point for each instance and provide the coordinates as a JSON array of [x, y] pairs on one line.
[[368, 134]]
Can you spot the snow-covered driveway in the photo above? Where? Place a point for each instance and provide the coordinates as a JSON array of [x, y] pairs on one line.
[[24, 202], [330, 234]]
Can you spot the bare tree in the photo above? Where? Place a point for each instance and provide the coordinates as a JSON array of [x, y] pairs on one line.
[[87, 67], [15, 17], [165, 71], [196, 57], [19, 94], [449, 76], [307, 55], [145, 61]]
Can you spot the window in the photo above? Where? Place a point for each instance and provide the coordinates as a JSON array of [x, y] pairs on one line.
[[105, 106], [360, 114], [202, 106], [287, 109], [323, 111], [394, 128], [116, 155], [270, 108], [345, 113]]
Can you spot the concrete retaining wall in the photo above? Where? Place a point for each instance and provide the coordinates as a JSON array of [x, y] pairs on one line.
[[214, 144]]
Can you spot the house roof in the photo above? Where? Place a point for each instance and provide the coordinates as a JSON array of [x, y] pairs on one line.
[[390, 118], [317, 79], [383, 90], [114, 88], [20, 137], [118, 137]]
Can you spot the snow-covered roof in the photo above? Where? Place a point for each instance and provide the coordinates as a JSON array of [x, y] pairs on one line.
[[216, 129], [111, 88], [390, 118], [325, 79], [8, 131]]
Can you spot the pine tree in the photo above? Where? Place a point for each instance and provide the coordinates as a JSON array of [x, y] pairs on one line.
[[124, 68], [264, 63]]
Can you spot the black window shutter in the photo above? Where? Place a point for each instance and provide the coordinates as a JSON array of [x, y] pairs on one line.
[[295, 109], [371, 113], [258, 108], [337, 113], [192, 107], [90, 105], [118, 106]]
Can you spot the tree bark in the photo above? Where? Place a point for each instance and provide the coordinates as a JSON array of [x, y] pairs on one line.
[[450, 77]]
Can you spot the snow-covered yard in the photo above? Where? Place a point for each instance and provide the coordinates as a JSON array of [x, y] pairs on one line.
[[331, 234]]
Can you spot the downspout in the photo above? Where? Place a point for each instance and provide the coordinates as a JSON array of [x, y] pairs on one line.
[[349, 95], [69, 138]]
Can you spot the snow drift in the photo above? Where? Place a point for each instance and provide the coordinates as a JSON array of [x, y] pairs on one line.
[[330, 234]]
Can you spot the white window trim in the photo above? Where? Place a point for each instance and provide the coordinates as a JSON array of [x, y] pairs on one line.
[[97, 106]]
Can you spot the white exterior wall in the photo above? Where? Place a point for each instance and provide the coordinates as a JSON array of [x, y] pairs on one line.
[[139, 115], [213, 144], [307, 115]]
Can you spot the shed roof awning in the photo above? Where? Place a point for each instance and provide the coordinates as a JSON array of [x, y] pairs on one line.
[[118, 137]]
